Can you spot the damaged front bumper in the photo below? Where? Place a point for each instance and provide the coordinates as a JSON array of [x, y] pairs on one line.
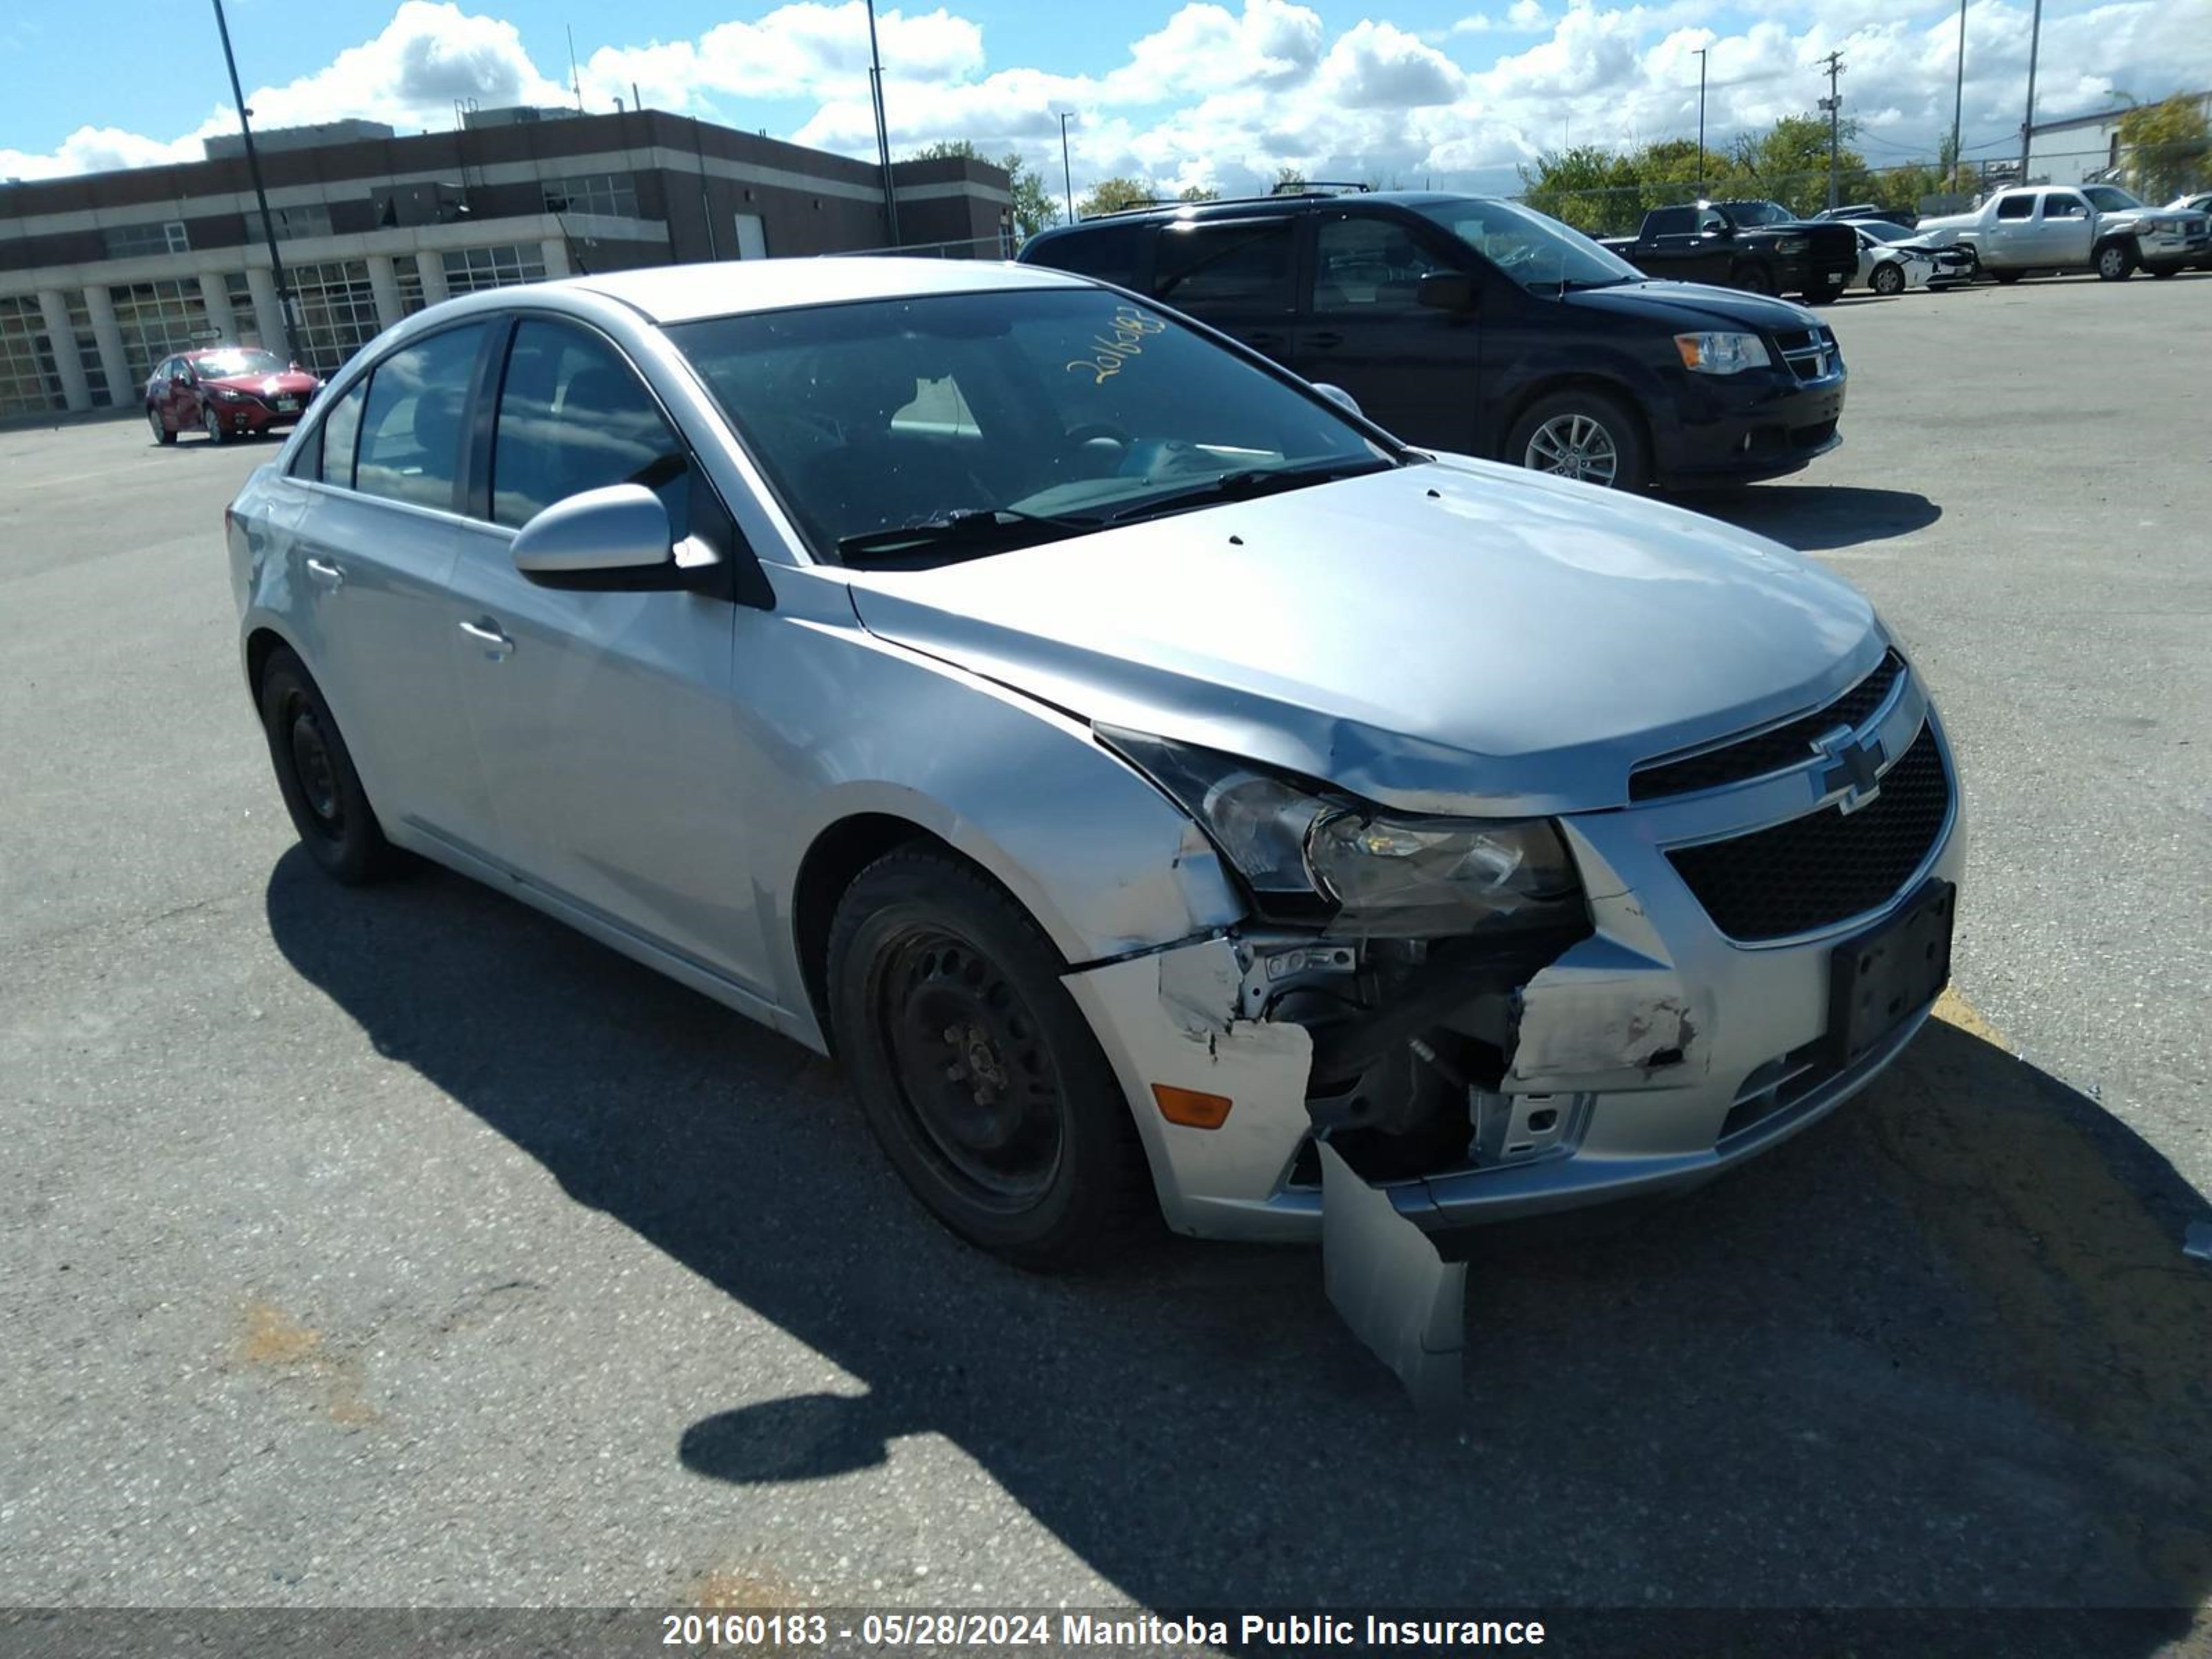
[[1642, 1061]]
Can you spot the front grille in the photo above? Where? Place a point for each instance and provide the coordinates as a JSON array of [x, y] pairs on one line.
[[1810, 352], [1769, 751], [1826, 867]]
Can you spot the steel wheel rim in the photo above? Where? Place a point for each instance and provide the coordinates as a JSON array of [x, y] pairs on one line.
[[312, 766], [976, 1080], [1574, 447]]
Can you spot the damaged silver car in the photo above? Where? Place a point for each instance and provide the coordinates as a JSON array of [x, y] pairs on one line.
[[1166, 794]]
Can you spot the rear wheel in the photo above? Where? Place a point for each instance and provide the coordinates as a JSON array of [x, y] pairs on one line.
[[2007, 277], [1582, 435], [217, 433], [315, 775], [2116, 262], [2163, 271], [1888, 279], [980, 1076], [162, 433]]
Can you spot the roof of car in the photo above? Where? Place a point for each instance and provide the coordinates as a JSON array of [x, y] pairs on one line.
[[677, 293], [1245, 207]]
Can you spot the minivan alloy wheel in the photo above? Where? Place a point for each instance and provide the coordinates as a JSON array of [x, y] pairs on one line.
[[1574, 446]]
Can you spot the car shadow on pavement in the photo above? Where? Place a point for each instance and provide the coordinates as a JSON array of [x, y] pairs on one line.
[[1814, 518], [1941, 1351]]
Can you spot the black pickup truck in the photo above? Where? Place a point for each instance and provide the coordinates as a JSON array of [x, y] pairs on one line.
[[1760, 246]]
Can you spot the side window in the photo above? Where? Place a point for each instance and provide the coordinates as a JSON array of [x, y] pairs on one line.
[[1670, 222], [573, 416], [410, 426], [1368, 267], [2055, 206], [1106, 251], [2015, 207], [1244, 266], [334, 442]]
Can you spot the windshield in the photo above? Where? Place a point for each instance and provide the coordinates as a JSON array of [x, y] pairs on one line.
[[1056, 409], [1757, 213], [1540, 253], [1882, 231], [228, 365], [2110, 198]]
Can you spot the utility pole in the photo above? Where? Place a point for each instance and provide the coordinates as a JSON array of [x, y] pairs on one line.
[[883, 128], [1066, 175], [2027, 118], [1833, 104], [260, 194], [1701, 123], [1957, 99]]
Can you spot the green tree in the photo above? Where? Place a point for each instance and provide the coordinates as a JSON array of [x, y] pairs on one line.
[[1788, 161], [2167, 147], [1112, 196], [1289, 178], [1034, 205], [1198, 193], [1586, 186]]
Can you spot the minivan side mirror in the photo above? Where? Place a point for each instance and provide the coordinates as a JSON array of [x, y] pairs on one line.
[[1446, 290], [615, 539]]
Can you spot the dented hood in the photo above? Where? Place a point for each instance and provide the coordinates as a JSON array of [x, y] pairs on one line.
[[1453, 637]]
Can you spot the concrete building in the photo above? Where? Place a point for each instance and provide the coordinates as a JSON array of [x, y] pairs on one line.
[[2086, 149], [103, 275]]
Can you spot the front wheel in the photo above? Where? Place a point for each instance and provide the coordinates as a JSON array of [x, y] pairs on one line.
[[2116, 262], [1888, 280], [1584, 435], [980, 1076], [2163, 272], [2006, 277], [315, 775], [217, 433]]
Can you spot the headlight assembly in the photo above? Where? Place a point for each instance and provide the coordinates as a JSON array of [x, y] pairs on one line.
[[1722, 354], [1312, 857]]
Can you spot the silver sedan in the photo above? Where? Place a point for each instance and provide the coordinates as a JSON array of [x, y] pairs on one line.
[[1168, 796]]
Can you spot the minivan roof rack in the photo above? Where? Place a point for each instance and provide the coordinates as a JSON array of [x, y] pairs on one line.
[[1310, 187]]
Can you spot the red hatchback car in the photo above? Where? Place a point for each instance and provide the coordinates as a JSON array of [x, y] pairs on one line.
[[225, 391]]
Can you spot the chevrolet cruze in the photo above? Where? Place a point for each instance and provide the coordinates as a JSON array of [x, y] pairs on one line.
[[1152, 780]]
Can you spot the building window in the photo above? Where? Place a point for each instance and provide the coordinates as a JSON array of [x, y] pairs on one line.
[[313, 219], [614, 194], [469, 269], [136, 241], [80, 318], [29, 382], [158, 319], [410, 286], [336, 306]]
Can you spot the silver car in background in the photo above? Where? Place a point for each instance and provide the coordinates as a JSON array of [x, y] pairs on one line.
[[1142, 771]]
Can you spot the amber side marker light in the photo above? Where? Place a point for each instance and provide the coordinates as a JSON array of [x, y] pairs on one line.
[[1191, 1108]]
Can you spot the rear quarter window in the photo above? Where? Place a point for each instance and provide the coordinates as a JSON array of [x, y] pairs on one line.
[[1108, 252]]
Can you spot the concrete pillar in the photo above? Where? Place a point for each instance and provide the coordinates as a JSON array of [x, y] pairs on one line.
[[433, 267], [383, 282], [76, 391], [557, 255], [122, 389], [268, 315], [215, 294]]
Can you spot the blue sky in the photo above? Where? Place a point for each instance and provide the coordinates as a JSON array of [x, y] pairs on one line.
[[1177, 91]]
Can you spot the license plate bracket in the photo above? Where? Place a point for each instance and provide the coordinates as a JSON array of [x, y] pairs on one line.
[[1878, 979]]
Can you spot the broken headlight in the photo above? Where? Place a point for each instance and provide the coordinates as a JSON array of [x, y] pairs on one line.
[[1310, 855]]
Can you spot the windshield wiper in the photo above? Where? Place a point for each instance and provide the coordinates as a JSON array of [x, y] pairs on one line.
[[1246, 482], [972, 530]]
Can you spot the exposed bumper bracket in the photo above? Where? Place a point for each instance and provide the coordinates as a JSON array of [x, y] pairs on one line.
[[1400, 1298]]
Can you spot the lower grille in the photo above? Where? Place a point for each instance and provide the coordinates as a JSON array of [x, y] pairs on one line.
[[1826, 867]]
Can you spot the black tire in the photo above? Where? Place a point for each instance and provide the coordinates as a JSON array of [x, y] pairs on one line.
[[2163, 272], [1623, 432], [315, 775], [1888, 280], [2116, 262], [1048, 1172], [1751, 278], [212, 424], [2007, 277], [162, 433]]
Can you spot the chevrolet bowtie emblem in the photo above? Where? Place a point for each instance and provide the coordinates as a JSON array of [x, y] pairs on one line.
[[1857, 769]]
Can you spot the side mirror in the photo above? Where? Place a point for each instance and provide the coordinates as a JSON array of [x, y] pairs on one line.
[[1446, 290], [1337, 395], [179, 380], [612, 540]]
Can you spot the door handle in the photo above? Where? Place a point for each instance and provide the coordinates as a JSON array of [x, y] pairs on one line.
[[1327, 336], [496, 644], [325, 572]]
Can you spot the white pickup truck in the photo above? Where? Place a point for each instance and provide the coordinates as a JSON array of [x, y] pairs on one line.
[[2098, 228]]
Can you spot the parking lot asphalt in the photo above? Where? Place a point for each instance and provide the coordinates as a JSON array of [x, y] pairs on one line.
[[399, 1247]]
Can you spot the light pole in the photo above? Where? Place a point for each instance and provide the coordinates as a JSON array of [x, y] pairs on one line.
[[1066, 175], [2027, 117], [260, 195], [1957, 99], [1701, 122], [1834, 105], [882, 129]]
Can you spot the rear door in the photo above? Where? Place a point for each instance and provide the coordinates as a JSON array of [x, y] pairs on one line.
[[1411, 367], [369, 562], [605, 720], [2065, 229], [1239, 275]]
